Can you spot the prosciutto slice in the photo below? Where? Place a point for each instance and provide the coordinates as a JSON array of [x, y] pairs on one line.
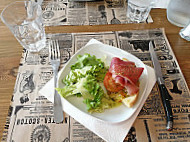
[[129, 72], [130, 87], [126, 74], [118, 61]]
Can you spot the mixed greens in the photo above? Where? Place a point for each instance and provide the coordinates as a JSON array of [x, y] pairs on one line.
[[85, 80]]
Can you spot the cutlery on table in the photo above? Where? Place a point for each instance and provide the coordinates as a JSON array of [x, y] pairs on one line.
[[165, 96], [54, 54]]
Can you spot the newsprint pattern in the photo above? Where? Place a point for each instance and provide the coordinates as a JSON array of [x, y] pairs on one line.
[[100, 12], [30, 116]]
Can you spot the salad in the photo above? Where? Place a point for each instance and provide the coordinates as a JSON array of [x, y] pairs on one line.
[[86, 80]]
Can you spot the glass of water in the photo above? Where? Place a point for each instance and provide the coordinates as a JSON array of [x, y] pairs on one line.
[[24, 19], [178, 12], [138, 10]]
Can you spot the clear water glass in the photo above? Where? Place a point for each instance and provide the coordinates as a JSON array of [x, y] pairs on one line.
[[178, 12], [24, 19], [138, 10]]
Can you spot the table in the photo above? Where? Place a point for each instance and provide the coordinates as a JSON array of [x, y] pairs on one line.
[[10, 51]]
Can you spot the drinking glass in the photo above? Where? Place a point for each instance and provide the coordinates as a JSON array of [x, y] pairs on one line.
[[178, 12], [138, 10], [24, 19]]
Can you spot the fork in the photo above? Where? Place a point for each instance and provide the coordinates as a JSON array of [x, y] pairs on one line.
[[54, 54]]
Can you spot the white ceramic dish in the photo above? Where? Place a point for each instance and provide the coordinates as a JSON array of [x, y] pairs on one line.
[[113, 115]]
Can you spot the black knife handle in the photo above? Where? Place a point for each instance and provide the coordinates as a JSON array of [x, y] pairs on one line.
[[167, 106]]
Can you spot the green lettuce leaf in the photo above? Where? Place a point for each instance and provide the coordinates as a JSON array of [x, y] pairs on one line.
[[98, 67]]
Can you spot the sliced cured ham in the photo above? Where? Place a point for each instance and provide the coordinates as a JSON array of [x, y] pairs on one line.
[[118, 61], [126, 74], [129, 72], [130, 87]]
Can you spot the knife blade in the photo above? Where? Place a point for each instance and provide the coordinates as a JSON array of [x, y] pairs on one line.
[[165, 96]]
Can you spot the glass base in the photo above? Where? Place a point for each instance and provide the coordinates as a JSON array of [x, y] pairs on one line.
[[175, 23]]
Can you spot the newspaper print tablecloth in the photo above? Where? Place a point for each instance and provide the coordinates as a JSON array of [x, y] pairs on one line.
[[31, 115], [65, 12]]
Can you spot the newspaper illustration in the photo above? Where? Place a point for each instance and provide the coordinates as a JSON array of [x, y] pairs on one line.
[[30, 115], [68, 12]]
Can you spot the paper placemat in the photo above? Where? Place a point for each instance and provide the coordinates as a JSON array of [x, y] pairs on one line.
[[68, 12], [31, 115]]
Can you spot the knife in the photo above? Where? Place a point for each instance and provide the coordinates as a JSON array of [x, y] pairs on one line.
[[165, 96]]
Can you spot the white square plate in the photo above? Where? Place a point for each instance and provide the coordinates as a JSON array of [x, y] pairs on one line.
[[113, 115]]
